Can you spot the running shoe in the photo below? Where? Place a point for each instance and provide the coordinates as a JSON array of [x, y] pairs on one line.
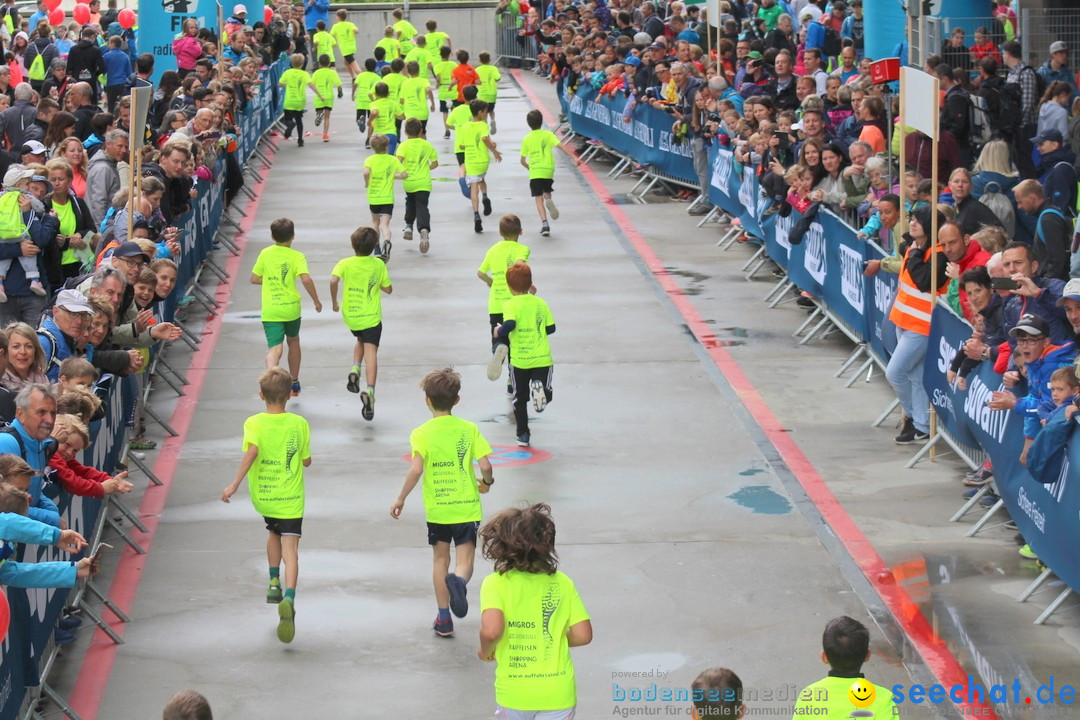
[[407, 233], [444, 628], [446, 135], [494, 366], [424, 243], [545, 230], [286, 629], [523, 440], [318, 118], [487, 205], [353, 384], [273, 594], [299, 142], [459, 604], [539, 395], [493, 128], [141, 443], [477, 225], [1027, 552], [368, 399], [553, 211], [295, 388], [385, 255]]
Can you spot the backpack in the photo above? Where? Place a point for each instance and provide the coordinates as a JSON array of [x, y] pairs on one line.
[[980, 126], [1039, 236], [1059, 186], [37, 68], [1001, 206], [831, 45], [1010, 109], [50, 449]]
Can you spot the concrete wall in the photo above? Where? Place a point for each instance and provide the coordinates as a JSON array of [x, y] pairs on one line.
[[470, 25]]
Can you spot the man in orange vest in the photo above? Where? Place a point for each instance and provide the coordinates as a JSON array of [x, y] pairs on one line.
[[911, 315]]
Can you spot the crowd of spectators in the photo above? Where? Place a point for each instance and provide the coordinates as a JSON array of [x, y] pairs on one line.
[[786, 85]]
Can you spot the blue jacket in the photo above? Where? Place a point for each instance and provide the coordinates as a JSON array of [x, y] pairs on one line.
[[1045, 306], [19, 528], [1047, 452], [1038, 399], [1050, 75], [117, 67], [980, 180], [42, 508], [62, 574], [55, 352], [42, 230], [316, 11], [815, 36]]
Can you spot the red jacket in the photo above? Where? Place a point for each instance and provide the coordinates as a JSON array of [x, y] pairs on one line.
[[976, 257], [78, 479]]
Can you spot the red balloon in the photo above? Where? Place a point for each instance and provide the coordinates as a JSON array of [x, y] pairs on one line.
[[52, 4], [268, 14], [126, 18], [56, 17], [81, 13], [5, 614]]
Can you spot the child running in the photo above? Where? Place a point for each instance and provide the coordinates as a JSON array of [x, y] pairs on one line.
[[276, 451], [459, 116], [499, 257], [527, 321], [326, 80], [344, 33], [277, 269], [295, 80], [444, 78], [475, 139], [417, 99], [538, 157], [531, 615], [380, 170], [363, 90], [419, 158], [443, 451], [382, 114], [488, 79], [323, 41], [361, 309]]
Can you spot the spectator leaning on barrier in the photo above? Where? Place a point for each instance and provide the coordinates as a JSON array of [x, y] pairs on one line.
[[35, 413], [988, 333]]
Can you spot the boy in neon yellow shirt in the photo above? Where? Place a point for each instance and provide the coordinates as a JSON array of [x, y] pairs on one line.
[[531, 615], [326, 80], [323, 41], [364, 277], [419, 55], [436, 41], [380, 171], [443, 451], [499, 257], [389, 44], [394, 80], [277, 448], [419, 158], [459, 117], [404, 30], [444, 78], [527, 322], [382, 114], [296, 81], [344, 33], [417, 99], [363, 90], [538, 157], [277, 268], [475, 139], [845, 647], [489, 90]]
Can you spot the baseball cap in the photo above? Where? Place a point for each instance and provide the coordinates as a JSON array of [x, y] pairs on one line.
[[754, 55], [239, 10], [32, 147], [1071, 291], [1030, 325], [1058, 46], [73, 301], [642, 39], [129, 249], [1048, 135], [658, 46], [632, 61], [15, 173]]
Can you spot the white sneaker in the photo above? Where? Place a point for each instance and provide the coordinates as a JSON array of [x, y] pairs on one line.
[[424, 244], [539, 396], [494, 367], [553, 211], [37, 288], [407, 232]]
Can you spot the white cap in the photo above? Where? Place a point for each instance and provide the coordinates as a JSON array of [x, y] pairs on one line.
[[239, 10]]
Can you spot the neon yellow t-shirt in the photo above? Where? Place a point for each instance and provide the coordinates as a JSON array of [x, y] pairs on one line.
[[324, 44], [295, 82], [448, 446], [417, 154], [393, 84], [279, 266], [384, 120], [380, 190], [533, 669], [362, 280], [365, 88], [538, 148], [471, 138], [444, 73], [406, 32], [828, 698], [435, 42], [326, 82], [66, 215], [420, 57], [458, 118], [344, 33], [498, 259], [487, 89], [392, 48], [414, 101], [529, 347], [276, 479]]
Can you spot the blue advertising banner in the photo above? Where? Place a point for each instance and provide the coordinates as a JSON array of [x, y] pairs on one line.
[[161, 21], [947, 333], [880, 293], [644, 134], [845, 260], [808, 268]]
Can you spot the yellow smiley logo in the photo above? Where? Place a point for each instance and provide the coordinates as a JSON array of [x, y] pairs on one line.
[[862, 694]]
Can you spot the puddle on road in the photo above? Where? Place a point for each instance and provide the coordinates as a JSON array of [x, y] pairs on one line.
[[751, 471], [761, 500]]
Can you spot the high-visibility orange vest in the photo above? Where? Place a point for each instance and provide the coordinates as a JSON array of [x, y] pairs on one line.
[[911, 310]]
